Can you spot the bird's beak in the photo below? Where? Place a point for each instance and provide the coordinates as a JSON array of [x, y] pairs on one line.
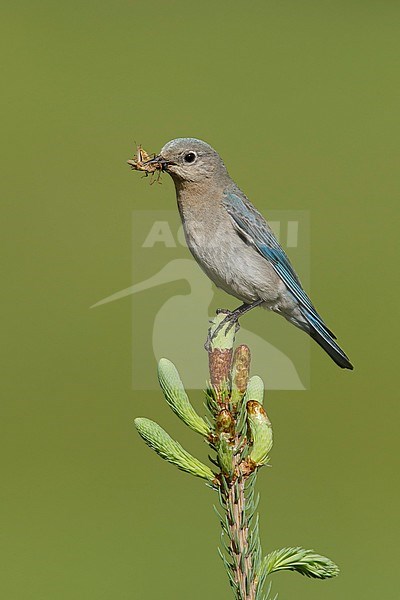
[[158, 161]]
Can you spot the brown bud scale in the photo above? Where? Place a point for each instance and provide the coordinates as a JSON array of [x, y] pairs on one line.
[[220, 362], [241, 368]]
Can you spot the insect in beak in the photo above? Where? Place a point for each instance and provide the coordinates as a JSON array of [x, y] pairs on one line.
[[149, 165], [144, 162]]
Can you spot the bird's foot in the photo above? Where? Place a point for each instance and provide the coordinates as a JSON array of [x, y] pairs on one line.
[[231, 319]]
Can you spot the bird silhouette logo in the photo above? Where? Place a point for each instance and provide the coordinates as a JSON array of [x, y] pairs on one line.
[[179, 321]]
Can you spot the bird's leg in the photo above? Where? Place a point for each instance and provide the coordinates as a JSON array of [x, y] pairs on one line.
[[232, 318]]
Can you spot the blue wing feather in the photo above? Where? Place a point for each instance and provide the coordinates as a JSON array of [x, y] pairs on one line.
[[253, 225]]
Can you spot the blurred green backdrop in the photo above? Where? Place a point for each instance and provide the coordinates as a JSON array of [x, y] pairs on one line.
[[301, 99]]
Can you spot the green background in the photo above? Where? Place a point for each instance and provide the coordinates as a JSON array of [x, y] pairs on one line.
[[301, 99]]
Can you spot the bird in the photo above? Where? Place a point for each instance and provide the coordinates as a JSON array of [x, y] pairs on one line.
[[233, 243]]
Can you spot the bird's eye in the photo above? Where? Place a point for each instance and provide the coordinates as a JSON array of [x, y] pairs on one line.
[[189, 157]]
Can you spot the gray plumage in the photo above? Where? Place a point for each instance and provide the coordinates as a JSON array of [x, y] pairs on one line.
[[233, 243]]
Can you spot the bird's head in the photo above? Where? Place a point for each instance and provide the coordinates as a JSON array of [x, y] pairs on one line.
[[190, 160]]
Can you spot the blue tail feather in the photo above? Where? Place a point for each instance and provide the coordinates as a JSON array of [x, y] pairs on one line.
[[323, 337]]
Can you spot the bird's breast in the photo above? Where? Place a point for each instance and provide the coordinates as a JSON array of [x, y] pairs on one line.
[[228, 260]]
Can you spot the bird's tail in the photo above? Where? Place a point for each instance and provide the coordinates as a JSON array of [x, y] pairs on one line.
[[321, 334]]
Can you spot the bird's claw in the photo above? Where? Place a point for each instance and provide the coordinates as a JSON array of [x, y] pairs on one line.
[[231, 319], [223, 311], [231, 323], [207, 343]]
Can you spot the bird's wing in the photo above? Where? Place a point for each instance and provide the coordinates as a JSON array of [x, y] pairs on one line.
[[250, 223]]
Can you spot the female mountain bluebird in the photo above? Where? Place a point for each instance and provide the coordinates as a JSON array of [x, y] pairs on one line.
[[233, 243]]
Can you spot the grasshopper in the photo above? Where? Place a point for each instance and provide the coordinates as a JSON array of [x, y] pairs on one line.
[[138, 163]]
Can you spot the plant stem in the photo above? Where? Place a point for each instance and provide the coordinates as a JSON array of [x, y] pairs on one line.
[[243, 544], [239, 541]]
